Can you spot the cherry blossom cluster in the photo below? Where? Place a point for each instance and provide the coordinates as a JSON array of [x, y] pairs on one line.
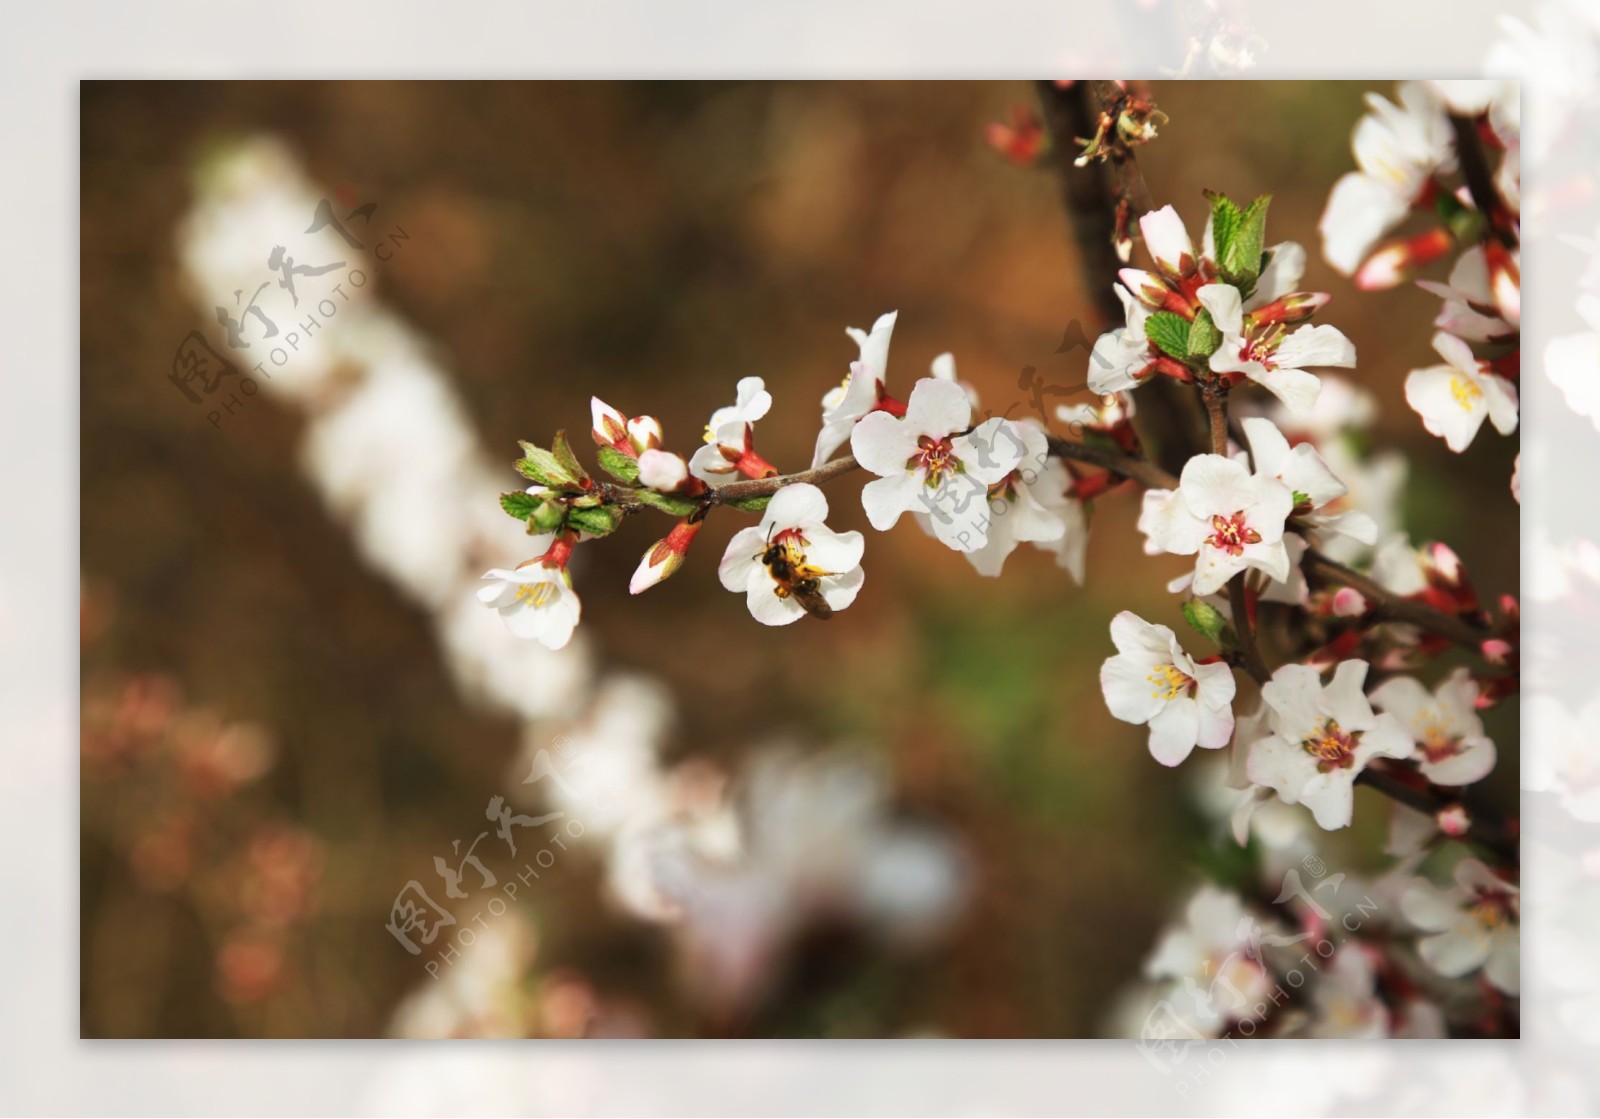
[[1408, 155], [980, 488]]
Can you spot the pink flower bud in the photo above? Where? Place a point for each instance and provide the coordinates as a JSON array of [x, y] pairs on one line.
[[664, 557], [1349, 603], [1453, 821]]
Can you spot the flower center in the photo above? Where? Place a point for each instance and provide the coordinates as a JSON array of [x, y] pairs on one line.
[[1493, 909], [1466, 392], [936, 456], [1263, 348], [1169, 682], [1332, 747], [538, 594], [1231, 534], [1438, 744]]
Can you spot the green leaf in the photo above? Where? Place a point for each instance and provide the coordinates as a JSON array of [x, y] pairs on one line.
[[1204, 337], [1206, 619], [600, 521], [548, 516], [1241, 264], [752, 504], [1301, 499], [1170, 331], [544, 467], [1225, 218], [624, 468], [667, 503], [569, 461], [518, 504]]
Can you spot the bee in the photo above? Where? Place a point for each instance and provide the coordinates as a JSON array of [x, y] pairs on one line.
[[798, 580]]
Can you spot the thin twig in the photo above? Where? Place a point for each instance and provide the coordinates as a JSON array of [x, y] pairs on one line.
[[1385, 603], [1480, 181], [1483, 829]]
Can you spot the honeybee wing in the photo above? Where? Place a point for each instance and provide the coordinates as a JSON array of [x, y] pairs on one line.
[[809, 596]]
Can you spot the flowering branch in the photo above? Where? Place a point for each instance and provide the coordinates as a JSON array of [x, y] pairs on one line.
[[1482, 828], [1386, 604]]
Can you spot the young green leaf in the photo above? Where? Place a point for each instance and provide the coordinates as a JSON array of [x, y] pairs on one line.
[[752, 504], [1241, 264], [569, 461], [1206, 619], [518, 504], [548, 516], [544, 467], [1204, 337], [1225, 217], [599, 521], [624, 468], [1169, 331], [677, 506]]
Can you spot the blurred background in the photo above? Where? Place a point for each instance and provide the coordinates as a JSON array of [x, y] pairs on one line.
[[278, 731]]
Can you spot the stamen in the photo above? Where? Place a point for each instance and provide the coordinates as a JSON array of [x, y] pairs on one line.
[[538, 594], [936, 456], [1466, 392], [1169, 682], [1332, 747], [1231, 534]]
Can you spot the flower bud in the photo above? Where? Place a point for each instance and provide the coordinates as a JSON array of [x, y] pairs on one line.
[[644, 433], [664, 557], [662, 470], [1291, 309], [1387, 267], [610, 426]]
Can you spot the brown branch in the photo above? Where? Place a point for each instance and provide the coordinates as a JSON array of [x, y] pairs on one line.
[[1483, 830], [1131, 467], [1385, 603], [1480, 181], [766, 487], [1102, 199]]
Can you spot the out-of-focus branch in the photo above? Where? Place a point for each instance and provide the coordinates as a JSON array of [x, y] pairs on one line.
[[1480, 181], [1484, 828], [1386, 604]]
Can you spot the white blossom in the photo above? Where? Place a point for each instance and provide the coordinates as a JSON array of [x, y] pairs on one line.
[[1470, 311], [1323, 738], [1304, 471], [1455, 398], [730, 438], [1398, 148], [1274, 358], [1121, 356], [1031, 505], [1473, 924], [861, 390], [1451, 748], [535, 600], [1153, 681], [924, 462], [1225, 516], [1215, 958], [1561, 754], [793, 522]]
